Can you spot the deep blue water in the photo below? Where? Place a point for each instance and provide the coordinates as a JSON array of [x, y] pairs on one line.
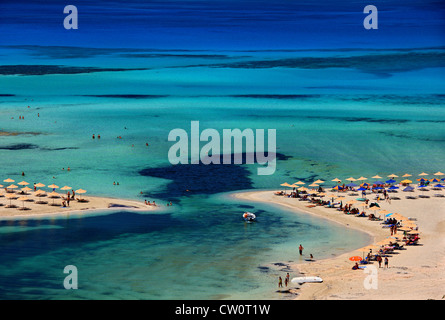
[[224, 24]]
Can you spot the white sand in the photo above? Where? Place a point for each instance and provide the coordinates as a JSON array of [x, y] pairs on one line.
[[417, 273], [92, 204]]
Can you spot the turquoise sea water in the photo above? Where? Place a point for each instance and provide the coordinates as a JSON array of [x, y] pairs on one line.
[[330, 121]]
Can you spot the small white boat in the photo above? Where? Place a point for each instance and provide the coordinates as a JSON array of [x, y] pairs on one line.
[[306, 279], [249, 217]]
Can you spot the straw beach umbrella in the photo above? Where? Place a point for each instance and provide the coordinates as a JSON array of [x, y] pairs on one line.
[[53, 186], [26, 189], [12, 186], [285, 185], [11, 196], [9, 180], [23, 199], [23, 183], [81, 191]]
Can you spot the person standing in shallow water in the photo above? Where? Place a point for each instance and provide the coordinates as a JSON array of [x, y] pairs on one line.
[[300, 248]]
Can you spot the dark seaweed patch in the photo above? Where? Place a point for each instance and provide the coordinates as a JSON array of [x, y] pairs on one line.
[[19, 146], [38, 70], [193, 179]]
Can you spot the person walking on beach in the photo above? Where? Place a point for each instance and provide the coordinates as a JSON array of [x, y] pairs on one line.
[[300, 248], [280, 282], [386, 262], [379, 259]]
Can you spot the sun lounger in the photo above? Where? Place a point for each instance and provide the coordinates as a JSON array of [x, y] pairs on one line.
[[410, 197], [439, 195], [423, 196], [81, 200]]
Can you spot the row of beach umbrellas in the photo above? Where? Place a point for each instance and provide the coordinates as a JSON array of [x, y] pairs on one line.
[[38, 192], [299, 184]]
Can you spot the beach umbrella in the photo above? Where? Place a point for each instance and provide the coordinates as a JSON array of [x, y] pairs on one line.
[[361, 189], [319, 181], [81, 191], [53, 195], [53, 186], [299, 183], [423, 174], [439, 186], [9, 180], [390, 181], [352, 184], [299, 189], [336, 188], [406, 175], [39, 192], [286, 185], [439, 174], [355, 258], [378, 182], [377, 177], [409, 188], [384, 212], [23, 199], [406, 181], [362, 179], [26, 189], [393, 176], [313, 185], [39, 185], [351, 179], [393, 188], [12, 186], [66, 188], [10, 196], [23, 183]]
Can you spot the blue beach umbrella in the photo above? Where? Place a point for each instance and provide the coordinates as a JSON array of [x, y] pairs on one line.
[[391, 181], [361, 189], [439, 186], [378, 182], [352, 184], [409, 188], [393, 188]]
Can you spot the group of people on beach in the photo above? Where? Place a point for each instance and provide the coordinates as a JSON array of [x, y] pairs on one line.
[[69, 197], [286, 281]]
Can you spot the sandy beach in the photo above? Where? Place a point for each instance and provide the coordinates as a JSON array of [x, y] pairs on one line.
[[50, 206], [415, 273]]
